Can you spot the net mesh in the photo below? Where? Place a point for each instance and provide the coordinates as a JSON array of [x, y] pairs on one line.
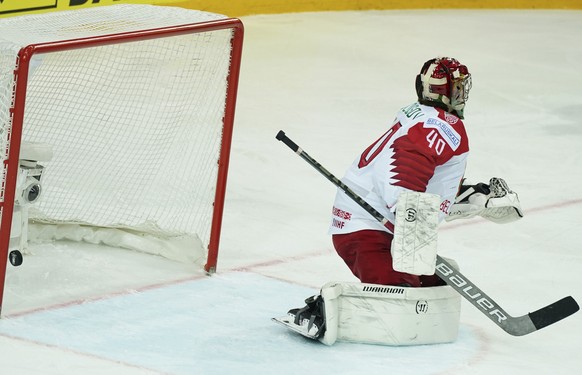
[[135, 128]]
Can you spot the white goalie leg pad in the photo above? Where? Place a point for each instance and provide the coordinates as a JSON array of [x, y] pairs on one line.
[[390, 315], [414, 247]]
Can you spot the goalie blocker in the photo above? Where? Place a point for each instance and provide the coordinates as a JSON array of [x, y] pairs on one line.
[[378, 314]]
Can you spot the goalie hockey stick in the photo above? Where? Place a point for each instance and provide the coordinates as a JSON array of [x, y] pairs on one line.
[[516, 326]]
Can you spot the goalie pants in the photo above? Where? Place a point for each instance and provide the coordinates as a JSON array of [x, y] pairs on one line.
[[367, 254]]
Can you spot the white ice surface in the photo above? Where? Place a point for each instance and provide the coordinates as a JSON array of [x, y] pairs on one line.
[[333, 82]]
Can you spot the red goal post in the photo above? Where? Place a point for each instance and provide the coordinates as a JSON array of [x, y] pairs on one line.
[[140, 92]]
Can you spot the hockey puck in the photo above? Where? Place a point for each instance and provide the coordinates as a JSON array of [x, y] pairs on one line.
[[15, 257]]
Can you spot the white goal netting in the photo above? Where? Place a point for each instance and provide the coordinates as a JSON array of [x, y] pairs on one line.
[[135, 127]]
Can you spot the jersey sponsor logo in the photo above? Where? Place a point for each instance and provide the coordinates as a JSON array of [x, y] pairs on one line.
[[338, 223], [446, 131], [445, 205], [341, 213]]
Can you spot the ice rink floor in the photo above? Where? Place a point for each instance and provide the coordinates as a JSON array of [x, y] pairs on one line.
[[333, 82]]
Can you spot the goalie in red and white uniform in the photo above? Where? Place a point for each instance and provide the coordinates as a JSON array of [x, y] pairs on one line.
[[424, 151]]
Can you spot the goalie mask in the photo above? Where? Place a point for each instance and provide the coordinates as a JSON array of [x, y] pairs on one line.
[[445, 83]]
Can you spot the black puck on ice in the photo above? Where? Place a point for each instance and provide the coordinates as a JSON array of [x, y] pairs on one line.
[[15, 257]]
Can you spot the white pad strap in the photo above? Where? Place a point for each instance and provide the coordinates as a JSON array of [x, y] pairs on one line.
[[414, 247]]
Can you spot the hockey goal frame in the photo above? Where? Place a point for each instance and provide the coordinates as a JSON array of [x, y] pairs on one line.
[[11, 161]]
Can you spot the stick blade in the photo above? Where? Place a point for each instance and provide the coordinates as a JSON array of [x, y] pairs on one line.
[[555, 312]]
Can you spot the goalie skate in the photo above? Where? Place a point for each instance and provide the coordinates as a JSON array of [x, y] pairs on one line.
[[308, 321], [304, 328]]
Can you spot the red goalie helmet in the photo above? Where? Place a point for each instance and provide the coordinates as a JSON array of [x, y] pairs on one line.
[[445, 83]]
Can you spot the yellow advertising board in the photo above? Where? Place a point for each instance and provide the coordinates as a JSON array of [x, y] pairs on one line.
[[236, 8], [16, 7]]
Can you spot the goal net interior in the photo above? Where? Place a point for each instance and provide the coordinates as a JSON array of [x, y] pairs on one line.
[[123, 115]]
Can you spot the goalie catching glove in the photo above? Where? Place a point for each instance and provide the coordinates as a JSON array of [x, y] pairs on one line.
[[495, 202]]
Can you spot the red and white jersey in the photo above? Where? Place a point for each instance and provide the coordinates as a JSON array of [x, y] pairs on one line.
[[424, 150]]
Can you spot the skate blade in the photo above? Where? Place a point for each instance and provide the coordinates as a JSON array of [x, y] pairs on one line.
[[287, 321]]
